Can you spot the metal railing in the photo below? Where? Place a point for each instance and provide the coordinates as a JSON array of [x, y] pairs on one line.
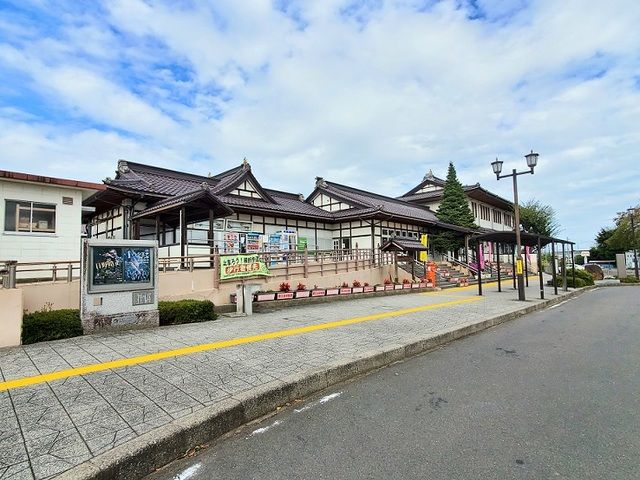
[[282, 264]]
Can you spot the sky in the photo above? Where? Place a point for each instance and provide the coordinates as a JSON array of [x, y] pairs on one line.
[[368, 93]]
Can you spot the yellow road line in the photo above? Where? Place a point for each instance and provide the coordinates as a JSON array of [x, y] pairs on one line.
[[125, 362]]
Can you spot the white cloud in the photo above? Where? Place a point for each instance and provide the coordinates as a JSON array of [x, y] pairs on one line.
[[373, 97]]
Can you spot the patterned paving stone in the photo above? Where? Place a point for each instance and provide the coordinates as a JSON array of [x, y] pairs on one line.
[[48, 428]]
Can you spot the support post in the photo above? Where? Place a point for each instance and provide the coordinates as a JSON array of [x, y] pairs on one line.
[[395, 264], [210, 238], [306, 262], [479, 271], [526, 268], [573, 267], [12, 266], [183, 237], [157, 225], [540, 270], [513, 265], [564, 270], [553, 267], [497, 246]]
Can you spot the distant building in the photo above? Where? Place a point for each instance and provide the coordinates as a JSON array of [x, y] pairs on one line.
[[41, 216]]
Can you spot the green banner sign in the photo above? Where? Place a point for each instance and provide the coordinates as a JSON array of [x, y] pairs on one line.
[[241, 266]]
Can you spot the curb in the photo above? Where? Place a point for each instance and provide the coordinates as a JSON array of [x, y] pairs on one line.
[[140, 456]]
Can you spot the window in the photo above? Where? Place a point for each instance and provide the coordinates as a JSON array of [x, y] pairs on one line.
[[507, 220], [29, 217], [474, 206], [497, 216], [485, 213]]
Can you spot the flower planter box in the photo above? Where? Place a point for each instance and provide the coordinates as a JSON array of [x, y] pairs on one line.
[[380, 288], [265, 297], [423, 285], [429, 284], [398, 287], [406, 285], [302, 293], [367, 289], [284, 295], [415, 285], [390, 287], [332, 291], [318, 293], [357, 290], [345, 291]]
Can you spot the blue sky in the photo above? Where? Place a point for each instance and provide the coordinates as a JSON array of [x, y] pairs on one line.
[[370, 93]]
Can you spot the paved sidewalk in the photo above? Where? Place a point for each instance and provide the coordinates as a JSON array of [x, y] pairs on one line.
[[49, 427]]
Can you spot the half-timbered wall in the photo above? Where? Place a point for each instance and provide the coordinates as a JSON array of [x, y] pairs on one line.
[[329, 204]]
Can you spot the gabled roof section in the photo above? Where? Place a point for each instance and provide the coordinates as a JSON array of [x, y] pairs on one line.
[[203, 194], [428, 179], [233, 180], [369, 203], [403, 245], [472, 191]]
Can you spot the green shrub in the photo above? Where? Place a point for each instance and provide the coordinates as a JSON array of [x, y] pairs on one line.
[[583, 279], [50, 325], [186, 311], [629, 280]]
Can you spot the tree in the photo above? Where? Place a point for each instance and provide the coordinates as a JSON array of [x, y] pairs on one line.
[[536, 217], [621, 239], [602, 250], [579, 260], [454, 209]]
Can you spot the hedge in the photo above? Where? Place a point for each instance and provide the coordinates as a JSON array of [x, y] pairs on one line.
[[58, 324], [50, 325], [629, 280], [583, 279], [186, 311]]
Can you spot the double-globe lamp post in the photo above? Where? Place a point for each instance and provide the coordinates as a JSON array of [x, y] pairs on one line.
[[632, 212], [532, 161]]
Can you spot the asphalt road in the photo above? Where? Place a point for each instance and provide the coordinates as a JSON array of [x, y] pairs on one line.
[[555, 394]]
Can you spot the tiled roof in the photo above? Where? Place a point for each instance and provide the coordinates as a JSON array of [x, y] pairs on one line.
[[204, 192], [160, 181], [403, 244], [382, 203]]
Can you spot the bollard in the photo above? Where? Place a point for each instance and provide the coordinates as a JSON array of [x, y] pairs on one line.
[[12, 266]]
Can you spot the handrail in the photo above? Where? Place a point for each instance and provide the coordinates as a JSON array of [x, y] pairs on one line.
[[462, 264]]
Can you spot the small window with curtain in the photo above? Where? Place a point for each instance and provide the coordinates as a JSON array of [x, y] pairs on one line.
[[29, 217]]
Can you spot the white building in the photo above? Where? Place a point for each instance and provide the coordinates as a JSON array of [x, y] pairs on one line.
[[41, 217]]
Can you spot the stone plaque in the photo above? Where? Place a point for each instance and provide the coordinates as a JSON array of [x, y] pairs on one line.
[[142, 297]]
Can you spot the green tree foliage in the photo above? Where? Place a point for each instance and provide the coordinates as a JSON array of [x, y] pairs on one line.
[[622, 238], [453, 209], [602, 250], [579, 260], [536, 217]]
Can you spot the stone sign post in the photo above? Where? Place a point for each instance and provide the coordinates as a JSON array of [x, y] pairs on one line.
[[119, 287]]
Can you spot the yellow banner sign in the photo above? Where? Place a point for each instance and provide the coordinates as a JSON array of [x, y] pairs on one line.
[[519, 267], [424, 239], [241, 266]]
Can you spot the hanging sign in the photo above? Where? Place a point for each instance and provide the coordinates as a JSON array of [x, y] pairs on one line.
[[241, 266], [519, 267], [424, 240]]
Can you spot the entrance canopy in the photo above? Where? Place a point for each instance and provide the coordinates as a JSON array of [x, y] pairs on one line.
[[402, 245], [526, 238]]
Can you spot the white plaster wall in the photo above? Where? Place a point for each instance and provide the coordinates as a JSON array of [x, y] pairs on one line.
[[64, 244]]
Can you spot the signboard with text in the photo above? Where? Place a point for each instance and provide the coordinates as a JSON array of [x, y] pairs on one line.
[[242, 266]]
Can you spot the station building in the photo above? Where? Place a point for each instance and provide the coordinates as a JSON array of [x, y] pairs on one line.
[[231, 212]]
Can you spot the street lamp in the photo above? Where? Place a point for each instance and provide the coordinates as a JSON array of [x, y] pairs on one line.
[[532, 161], [632, 212]]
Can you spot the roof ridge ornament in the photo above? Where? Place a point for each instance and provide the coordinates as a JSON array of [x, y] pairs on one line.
[[245, 164], [205, 186], [428, 176], [320, 182], [123, 166]]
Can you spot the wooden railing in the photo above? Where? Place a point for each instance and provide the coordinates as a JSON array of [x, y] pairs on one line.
[[281, 264]]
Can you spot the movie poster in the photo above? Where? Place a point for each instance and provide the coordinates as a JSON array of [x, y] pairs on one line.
[[121, 265]]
